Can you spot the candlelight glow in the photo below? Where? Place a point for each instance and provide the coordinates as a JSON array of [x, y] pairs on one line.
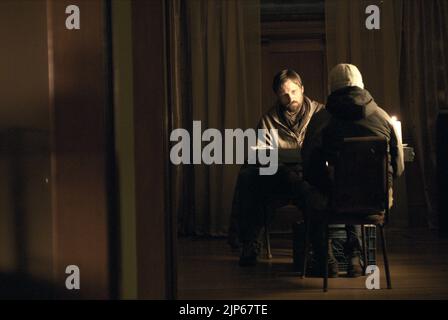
[[397, 127]]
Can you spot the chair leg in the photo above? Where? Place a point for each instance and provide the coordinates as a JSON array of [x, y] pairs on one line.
[[326, 259], [364, 248], [266, 234], [386, 261], [306, 246], [267, 242]]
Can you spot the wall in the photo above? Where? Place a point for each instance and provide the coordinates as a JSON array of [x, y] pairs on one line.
[[55, 207], [25, 204]]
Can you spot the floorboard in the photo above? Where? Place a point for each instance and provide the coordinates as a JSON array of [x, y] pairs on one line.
[[208, 269]]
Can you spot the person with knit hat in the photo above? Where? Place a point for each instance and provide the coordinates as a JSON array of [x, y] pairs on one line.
[[350, 112], [345, 75]]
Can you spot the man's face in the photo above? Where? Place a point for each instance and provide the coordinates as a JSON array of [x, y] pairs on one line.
[[290, 96]]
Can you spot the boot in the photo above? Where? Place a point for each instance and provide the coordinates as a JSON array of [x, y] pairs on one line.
[[333, 267], [353, 254], [249, 254], [354, 268]]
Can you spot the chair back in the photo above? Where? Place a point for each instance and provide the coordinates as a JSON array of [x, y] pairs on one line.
[[360, 176]]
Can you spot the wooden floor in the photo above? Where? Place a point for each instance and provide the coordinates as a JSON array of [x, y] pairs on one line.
[[208, 269]]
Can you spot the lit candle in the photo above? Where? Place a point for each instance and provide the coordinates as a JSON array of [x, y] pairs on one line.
[[397, 127]]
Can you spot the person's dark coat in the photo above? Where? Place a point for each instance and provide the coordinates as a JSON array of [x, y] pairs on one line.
[[349, 112]]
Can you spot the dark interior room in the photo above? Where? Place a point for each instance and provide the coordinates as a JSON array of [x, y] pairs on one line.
[[224, 149]]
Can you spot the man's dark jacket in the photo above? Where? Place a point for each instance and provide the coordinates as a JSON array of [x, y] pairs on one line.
[[287, 139]]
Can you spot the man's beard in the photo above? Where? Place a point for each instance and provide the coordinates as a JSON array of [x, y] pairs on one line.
[[293, 107]]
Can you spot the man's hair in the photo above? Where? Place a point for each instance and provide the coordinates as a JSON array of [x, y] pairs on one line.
[[283, 76]]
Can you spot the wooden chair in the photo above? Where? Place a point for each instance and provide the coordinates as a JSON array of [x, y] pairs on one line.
[[360, 193], [276, 201], [271, 204]]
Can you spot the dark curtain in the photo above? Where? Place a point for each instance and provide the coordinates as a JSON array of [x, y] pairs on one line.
[[424, 85], [215, 77]]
